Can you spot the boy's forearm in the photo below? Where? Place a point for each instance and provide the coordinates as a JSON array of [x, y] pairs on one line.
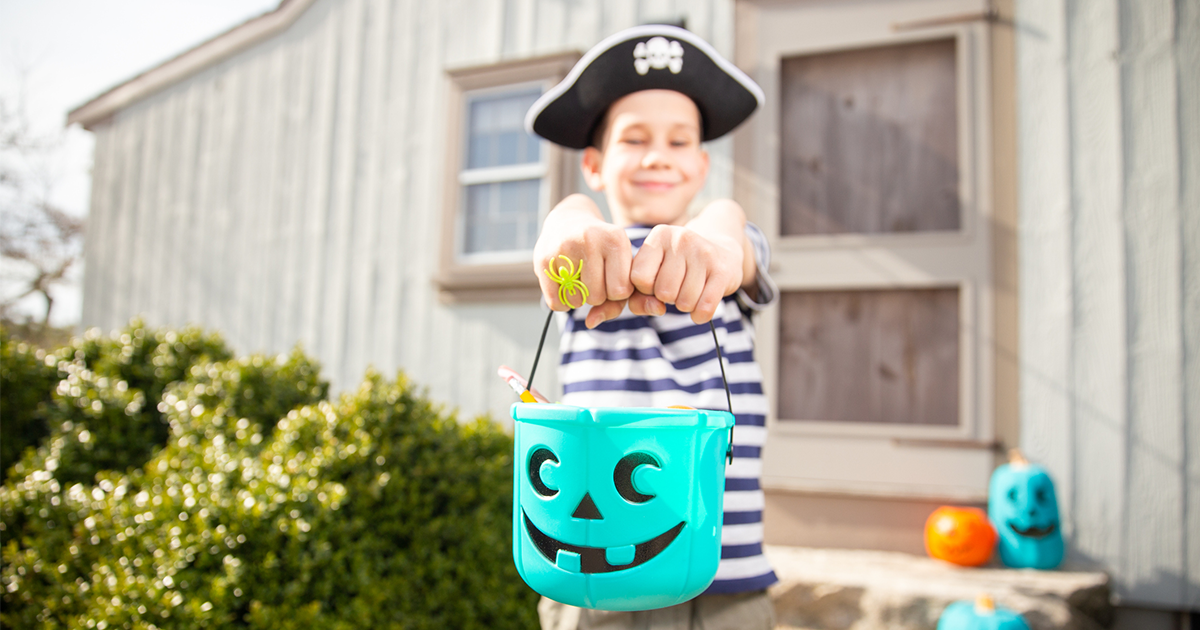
[[724, 222], [568, 217], [572, 209]]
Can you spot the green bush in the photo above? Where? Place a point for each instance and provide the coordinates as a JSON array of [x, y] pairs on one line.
[[268, 507], [27, 385], [104, 381]]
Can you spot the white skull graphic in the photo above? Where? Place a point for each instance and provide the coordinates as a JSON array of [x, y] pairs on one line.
[[658, 53]]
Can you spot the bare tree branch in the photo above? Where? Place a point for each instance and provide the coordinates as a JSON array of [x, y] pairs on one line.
[[43, 241]]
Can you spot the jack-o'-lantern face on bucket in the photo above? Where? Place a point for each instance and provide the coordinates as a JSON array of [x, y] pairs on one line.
[[633, 478], [604, 515], [1024, 510]]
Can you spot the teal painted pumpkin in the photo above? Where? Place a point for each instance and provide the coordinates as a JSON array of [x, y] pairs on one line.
[[618, 509], [980, 614], [1024, 510]]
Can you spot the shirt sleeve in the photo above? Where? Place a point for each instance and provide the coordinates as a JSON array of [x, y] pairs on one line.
[[768, 292]]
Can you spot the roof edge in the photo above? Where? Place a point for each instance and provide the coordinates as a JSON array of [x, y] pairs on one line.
[[187, 63]]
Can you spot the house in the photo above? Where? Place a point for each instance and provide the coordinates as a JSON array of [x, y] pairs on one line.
[[984, 218]]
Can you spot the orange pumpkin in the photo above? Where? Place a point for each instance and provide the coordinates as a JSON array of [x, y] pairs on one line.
[[960, 535]]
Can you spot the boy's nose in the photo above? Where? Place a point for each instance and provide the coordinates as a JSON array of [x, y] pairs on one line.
[[655, 159]]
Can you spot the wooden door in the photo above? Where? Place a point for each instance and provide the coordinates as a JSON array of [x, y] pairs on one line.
[[868, 170]]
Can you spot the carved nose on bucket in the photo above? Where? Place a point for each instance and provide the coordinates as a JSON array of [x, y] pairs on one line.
[[587, 509]]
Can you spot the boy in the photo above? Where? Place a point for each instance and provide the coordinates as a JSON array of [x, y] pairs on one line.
[[640, 104]]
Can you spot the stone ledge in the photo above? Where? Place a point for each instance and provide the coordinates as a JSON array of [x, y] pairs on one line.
[[836, 589]]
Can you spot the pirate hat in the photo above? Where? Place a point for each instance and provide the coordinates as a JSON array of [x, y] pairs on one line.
[[652, 57]]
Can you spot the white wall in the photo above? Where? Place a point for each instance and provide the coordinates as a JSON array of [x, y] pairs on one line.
[[1109, 159]]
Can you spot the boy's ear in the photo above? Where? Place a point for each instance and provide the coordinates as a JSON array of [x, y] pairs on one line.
[[590, 164]]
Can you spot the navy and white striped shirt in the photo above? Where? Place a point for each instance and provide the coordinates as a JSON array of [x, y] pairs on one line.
[[636, 361]]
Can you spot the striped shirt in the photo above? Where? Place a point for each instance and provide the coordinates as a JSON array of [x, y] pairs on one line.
[[636, 361]]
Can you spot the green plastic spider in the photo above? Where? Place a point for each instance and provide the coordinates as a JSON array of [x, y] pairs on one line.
[[568, 281]]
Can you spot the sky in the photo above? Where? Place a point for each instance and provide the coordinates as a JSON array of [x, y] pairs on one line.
[[58, 54]]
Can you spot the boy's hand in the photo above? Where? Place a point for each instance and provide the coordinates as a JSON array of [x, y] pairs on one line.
[[576, 229], [694, 266], [686, 267]]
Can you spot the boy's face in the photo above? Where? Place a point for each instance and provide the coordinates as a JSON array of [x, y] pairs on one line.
[[651, 165]]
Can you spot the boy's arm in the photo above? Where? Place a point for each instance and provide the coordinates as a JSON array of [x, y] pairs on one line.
[[575, 228], [714, 218], [694, 266]]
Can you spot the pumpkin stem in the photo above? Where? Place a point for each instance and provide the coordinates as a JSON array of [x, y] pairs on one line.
[[984, 604], [1016, 458]]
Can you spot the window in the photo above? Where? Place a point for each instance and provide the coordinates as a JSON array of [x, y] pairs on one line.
[[501, 181], [870, 173], [503, 177]]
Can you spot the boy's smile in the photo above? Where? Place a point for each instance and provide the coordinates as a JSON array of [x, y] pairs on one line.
[[651, 164]]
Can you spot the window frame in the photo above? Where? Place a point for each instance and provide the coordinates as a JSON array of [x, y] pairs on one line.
[[490, 276], [943, 462], [495, 175]]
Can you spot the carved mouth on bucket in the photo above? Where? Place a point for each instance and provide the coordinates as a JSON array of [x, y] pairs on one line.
[[581, 559]]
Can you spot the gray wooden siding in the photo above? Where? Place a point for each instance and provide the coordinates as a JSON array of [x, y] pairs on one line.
[[1109, 137], [291, 193]]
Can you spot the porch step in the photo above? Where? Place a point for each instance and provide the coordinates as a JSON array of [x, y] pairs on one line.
[[839, 589]]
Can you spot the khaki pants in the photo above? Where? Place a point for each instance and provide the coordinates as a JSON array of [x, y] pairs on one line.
[[740, 611]]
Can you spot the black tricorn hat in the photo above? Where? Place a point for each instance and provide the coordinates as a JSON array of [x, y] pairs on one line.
[[652, 57]]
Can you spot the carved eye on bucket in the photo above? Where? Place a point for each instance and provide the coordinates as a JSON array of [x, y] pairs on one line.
[[623, 476], [539, 457]]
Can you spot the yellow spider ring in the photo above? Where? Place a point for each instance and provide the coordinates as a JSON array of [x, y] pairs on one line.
[[568, 281]]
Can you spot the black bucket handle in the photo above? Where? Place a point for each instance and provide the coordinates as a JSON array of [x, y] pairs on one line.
[[720, 361]]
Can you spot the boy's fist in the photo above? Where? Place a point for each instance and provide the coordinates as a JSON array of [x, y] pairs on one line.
[[677, 265], [576, 229]]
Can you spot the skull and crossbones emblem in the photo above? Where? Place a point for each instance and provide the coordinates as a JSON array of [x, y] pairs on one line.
[[658, 53]]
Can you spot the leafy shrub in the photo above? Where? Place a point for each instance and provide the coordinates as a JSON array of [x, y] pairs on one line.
[[103, 381], [26, 387], [268, 507]]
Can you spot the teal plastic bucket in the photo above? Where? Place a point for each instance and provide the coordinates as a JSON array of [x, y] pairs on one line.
[[618, 508]]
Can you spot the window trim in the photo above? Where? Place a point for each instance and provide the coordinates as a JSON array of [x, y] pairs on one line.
[[460, 281]]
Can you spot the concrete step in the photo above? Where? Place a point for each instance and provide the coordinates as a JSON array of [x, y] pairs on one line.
[[841, 589]]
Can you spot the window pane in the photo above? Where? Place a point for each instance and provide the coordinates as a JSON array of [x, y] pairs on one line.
[[496, 130], [501, 216], [870, 141], [870, 356]]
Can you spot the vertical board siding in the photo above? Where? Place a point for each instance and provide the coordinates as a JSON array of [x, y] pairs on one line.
[[394, 131], [272, 228], [439, 339], [123, 242], [342, 211], [145, 237], [95, 290], [320, 125], [367, 283], [1152, 222], [1187, 26], [295, 179], [163, 205], [191, 256], [1108, 310], [411, 326], [1098, 344], [1046, 309]]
